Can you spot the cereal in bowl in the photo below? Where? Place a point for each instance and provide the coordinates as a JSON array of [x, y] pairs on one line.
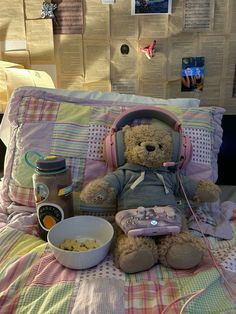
[[78, 245]]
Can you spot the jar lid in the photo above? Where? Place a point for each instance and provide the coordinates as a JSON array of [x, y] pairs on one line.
[[51, 163]]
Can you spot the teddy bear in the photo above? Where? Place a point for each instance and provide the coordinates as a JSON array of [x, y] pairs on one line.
[[143, 181]]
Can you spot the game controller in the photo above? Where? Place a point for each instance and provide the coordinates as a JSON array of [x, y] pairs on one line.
[[151, 221]]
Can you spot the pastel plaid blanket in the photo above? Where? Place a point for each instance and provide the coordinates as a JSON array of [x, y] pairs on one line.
[[32, 281]]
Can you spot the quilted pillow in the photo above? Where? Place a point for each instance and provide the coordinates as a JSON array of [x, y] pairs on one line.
[[75, 128]]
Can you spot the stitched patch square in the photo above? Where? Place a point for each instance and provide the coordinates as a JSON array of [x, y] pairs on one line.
[[97, 134], [201, 143], [37, 109], [70, 140]]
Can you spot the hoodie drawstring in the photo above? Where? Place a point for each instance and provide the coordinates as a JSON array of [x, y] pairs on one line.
[[141, 178]]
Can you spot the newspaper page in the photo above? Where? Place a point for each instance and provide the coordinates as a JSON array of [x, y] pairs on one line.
[[18, 56], [123, 25], [125, 86], [40, 41], [228, 81], [174, 90], [152, 88], [154, 68], [229, 58], [101, 86], [33, 9], [180, 46], [8, 45], [12, 25], [69, 60], [231, 17], [214, 85], [211, 96], [153, 26], [214, 65], [96, 60], [221, 17], [198, 15], [124, 59], [124, 66], [175, 21], [228, 90], [108, 1], [220, 67], [68, 17], [97, 20]]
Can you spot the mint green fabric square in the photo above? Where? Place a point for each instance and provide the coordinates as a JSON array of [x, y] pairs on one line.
[[213, 300], [79, 114], [41, 300]]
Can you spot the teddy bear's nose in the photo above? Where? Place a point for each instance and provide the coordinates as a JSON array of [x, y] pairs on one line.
[[150, 148]]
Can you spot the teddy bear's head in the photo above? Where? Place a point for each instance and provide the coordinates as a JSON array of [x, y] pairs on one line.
[[147, 145]]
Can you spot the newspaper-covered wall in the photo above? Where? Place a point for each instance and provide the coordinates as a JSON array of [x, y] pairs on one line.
[[91, 45]]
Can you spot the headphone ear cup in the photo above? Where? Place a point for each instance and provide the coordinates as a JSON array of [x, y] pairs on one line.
[[182, 149], [175, 146], [109, 150], [113, 150], [186, 151], [120, 148]]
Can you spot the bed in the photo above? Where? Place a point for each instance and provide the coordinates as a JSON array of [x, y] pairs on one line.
[[73, 124]]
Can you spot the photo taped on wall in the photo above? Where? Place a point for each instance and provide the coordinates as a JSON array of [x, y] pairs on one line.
[[148, 7]]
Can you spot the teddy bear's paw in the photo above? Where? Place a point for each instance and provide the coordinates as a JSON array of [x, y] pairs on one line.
[[181, 251], [137, 261], [207, 191], [97, 192]]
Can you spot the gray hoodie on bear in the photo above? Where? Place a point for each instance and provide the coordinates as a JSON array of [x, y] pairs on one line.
[[137, 185]]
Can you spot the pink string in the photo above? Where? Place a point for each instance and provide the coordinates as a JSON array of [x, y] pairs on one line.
[[191, 296]]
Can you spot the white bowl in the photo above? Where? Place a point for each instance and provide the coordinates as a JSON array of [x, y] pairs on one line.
[[86, 227]]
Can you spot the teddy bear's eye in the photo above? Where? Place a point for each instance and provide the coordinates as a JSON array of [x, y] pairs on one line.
[[139, 143], [160, 146]]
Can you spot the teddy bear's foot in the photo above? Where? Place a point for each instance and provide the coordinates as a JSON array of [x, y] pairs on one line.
[[182, 251], [135, 254], [183, 256], [135, 262]]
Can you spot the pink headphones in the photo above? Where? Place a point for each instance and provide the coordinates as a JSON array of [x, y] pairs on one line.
[[114, 143]]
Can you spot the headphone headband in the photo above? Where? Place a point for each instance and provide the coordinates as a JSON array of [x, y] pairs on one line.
[[161, 114]]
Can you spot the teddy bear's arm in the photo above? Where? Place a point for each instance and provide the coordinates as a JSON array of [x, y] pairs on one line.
[[102, 190], [200, 191], [207, 191], [97, 192]]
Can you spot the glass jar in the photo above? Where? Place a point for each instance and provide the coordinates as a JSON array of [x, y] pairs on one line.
[[52, 184]]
